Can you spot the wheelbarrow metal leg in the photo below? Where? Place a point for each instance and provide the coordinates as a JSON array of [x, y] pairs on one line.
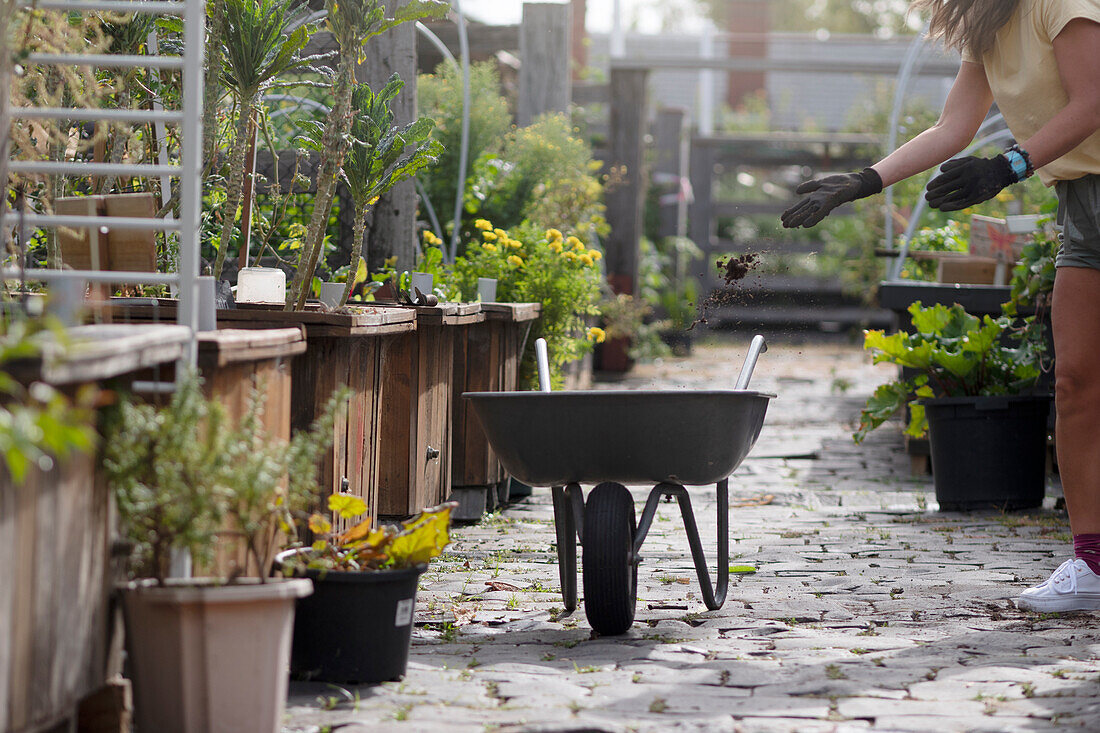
[[712, 597], [565, 528]]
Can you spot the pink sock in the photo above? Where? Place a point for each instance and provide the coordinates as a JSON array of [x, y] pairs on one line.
[[1087, 547]]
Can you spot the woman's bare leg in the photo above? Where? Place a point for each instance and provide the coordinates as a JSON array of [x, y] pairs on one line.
[[1075, 314]]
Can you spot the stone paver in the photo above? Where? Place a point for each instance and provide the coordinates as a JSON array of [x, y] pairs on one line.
[[870, 610]]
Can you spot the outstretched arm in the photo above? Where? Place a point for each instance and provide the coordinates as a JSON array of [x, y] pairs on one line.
[[968, 181], [967, 105]]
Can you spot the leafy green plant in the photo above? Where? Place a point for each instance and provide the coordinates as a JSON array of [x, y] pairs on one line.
[[177, 471], [559, 272], [955, 354], [352, 23], [377, 160], [362, 547], [38, 424], [262, 40]]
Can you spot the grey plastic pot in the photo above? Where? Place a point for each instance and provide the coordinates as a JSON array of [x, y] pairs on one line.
[[210, 658]]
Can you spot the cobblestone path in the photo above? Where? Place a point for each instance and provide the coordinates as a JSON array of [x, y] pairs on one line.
[[868, 610]]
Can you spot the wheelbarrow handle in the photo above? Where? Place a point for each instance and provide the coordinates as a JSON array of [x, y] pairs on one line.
[[756, 348], [544, 365]]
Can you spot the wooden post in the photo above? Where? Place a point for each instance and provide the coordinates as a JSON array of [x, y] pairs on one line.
[[626, 191], [545, 79], [580, 37], [393, 228], [700, 212], [668, 137]]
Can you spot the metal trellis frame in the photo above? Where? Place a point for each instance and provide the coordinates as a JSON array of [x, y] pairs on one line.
[[188, 171]]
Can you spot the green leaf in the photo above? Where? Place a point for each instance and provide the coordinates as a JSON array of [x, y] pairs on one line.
[[746, 569]]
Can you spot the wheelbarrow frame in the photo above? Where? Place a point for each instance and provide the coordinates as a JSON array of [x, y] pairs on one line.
[[569, 521]]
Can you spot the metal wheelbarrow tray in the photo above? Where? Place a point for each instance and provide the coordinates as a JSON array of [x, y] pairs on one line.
[[669, 438]]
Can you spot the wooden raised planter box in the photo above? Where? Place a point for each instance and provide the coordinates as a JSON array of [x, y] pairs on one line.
[[56, 534], [341, 349], [486, 359], [417, 392]]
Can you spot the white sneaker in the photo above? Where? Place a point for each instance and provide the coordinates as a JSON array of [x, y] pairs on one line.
[[1072, 587]]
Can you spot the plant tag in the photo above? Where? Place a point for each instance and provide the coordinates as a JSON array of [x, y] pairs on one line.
[[404, 614]]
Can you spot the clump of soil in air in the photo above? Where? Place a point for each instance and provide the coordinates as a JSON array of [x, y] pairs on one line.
[[733, 270]]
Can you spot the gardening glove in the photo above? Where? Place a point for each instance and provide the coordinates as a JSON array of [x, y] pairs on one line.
[[828, 193], [964, 182]]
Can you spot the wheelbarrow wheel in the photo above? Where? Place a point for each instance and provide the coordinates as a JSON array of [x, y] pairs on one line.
[[610, 573]]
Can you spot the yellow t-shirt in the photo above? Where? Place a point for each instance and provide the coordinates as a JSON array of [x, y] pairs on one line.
[[1023, 75]]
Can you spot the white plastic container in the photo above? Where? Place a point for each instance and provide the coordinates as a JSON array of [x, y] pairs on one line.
[[331, 293], [261, 285], [487, 289], [421, 281]]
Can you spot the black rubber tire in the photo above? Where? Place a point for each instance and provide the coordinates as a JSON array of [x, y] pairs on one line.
[[610, 575]]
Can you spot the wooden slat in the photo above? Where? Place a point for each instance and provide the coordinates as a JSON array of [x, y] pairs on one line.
[[228, 346], [97, 352], [516, 312], [399, 367]]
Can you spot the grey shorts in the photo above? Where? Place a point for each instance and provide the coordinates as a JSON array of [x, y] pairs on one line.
[[1079, 217]]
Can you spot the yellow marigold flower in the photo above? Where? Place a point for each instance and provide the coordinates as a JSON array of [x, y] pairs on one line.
[[514, 260], [555, 247], [484, 225], [586, 259], [489, 247], [488, 236], [575, 243], [570, 256], [553, 235], [500, 233], [431, 239], [597, 334], [596, 254], [514, 243]]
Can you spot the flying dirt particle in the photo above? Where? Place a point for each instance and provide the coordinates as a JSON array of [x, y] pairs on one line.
[[733, 270]]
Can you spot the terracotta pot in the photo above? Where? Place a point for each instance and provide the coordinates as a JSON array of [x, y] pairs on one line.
[[210, 658]]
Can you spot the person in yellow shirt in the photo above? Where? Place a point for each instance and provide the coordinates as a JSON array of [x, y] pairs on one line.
[[1039, 60]]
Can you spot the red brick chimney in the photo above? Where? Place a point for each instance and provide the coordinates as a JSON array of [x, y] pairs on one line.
[[747, 17]]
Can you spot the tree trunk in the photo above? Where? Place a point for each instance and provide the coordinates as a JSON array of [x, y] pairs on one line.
[[334, 148], [233, 183], [210, 93], [356, 250]]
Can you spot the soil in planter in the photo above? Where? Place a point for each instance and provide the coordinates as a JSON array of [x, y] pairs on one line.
[[733, 269]]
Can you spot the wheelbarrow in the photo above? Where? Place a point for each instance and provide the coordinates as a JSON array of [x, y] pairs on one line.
[[673, 439]]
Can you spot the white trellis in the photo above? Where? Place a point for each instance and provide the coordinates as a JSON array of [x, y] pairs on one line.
[[188, 170]]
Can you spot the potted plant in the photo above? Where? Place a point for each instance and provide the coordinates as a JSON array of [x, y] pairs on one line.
[[207, 653], [357, 625], [974, 393]]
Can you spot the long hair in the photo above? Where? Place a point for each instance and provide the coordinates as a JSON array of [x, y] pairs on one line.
[[967, 24]]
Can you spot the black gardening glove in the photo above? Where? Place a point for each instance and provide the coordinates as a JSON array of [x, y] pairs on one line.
[[964, 182], [828, 193]]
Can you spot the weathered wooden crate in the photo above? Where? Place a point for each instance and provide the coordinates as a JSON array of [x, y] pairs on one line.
[[233, 363], [56, 533], [342, 349], [486, 359], [417, 393]]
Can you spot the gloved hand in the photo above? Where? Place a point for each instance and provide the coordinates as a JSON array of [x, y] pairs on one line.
[[828, 193], [964, 182]]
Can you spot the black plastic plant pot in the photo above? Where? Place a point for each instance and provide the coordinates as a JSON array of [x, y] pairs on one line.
[[356, 628], [988, 452]]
